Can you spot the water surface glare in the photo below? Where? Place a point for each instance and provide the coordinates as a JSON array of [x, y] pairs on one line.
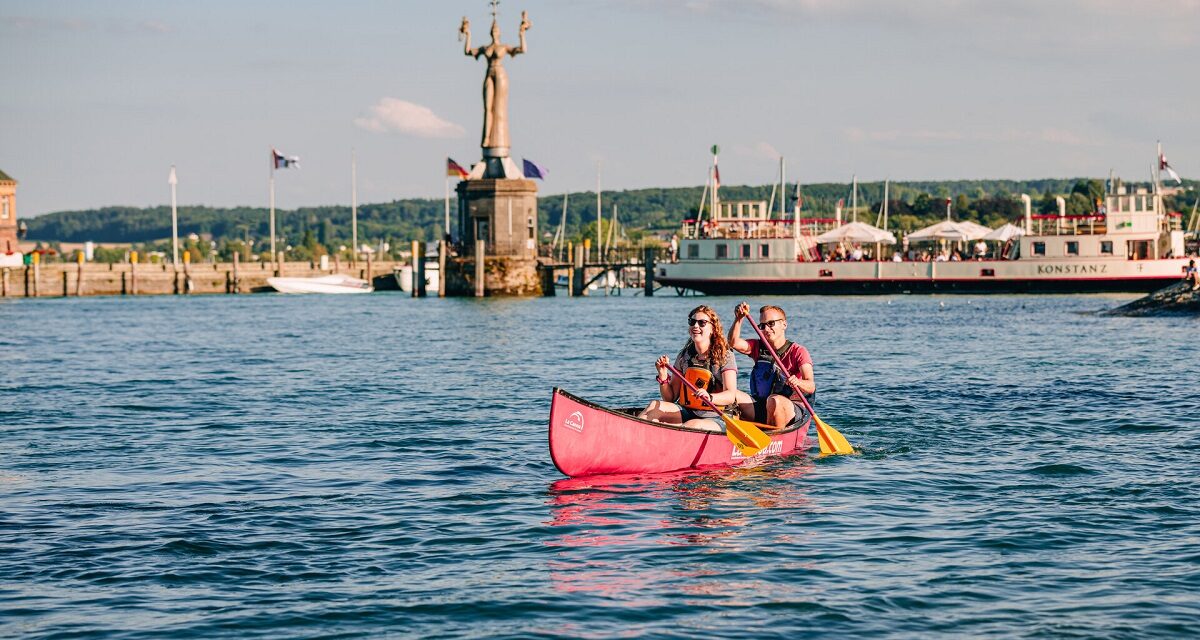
[[285, 466]]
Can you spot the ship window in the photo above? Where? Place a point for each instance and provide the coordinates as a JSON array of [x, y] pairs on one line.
[[764, 250], [693, 251], [1106, 247], [745, 250], [825, 273], [987, 272], [722, 251], [1039, 248], [1072, 248]]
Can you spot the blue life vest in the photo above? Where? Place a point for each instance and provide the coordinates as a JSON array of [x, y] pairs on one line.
[[766, 379]]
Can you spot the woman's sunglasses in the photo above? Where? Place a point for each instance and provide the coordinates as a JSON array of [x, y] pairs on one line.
[[698, 321]]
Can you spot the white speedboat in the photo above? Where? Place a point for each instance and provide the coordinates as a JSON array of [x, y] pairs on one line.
[[336, 283]]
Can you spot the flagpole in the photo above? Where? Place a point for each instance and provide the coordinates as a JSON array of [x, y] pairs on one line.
[[447, 205], [353, 207], [782, 185], [274, 264], [599, 211], [173, 181]]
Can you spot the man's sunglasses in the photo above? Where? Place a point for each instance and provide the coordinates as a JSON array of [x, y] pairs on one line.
[[698, 321], [769, 324]]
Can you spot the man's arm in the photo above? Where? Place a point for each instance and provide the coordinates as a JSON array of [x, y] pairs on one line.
[[735, 330]]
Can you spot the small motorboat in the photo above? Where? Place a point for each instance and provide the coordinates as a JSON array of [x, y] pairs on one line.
[[336, 283], [587, 439]]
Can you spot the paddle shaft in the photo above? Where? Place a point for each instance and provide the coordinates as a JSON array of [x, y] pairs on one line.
[[779, 363], [696, 392], [748, 438]]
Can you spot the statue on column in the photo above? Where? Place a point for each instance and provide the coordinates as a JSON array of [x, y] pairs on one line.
[[495, 83]]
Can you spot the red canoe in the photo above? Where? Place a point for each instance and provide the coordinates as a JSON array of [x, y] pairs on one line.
[[587, 440]]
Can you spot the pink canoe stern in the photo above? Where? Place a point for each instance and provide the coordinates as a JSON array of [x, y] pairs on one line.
[[587, 439]]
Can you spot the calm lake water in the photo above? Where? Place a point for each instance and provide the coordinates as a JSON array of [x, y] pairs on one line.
[[371, 466]]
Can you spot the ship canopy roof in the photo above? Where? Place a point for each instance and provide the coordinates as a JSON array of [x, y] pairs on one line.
[[1005, 233], [859, 232], [951, 230]]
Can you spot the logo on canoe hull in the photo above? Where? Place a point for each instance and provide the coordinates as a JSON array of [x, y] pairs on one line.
[[574, 422], [773, 449]]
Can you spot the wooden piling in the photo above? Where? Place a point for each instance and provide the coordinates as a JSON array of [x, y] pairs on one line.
[[418, 269], [370, 276], [37, 276], [79, 275], [443, 247], [577, 275], [480, 268], [4, 282], [279, 264], [133, 260], [236, 284], [648, 263], [547, 273], [66, 290]]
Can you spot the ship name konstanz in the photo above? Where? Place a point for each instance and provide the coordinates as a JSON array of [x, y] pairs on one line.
[[1072, 268]]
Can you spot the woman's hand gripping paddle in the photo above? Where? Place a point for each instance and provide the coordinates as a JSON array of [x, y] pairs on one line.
[[748, 438], [831, 441]]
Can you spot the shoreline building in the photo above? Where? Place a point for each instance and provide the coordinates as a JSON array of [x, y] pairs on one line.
[[8, 219]]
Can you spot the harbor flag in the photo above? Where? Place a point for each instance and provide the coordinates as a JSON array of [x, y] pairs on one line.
[[534, 170], [454, 170], [284, 162], [1163, 166]]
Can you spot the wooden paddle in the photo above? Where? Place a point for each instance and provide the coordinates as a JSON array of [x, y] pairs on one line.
[[831, 441], [748, 438]]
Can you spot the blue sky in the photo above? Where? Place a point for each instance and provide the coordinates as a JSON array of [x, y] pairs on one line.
[[100, 98]]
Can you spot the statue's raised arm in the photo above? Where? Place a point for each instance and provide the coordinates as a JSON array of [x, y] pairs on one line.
[[525, 24], [464, 33]]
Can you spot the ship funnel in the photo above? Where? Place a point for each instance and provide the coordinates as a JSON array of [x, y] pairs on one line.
[[1028, 212]]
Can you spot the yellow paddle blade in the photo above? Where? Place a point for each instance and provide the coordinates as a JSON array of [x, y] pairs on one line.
[[831, 441], [748, 438]]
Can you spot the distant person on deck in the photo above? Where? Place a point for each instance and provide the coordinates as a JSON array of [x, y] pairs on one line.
[[675, 248], [709, 353], [772, 398], [1191, 276]]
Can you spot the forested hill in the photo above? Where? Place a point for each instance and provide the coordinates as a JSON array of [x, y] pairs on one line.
[[913, 204]]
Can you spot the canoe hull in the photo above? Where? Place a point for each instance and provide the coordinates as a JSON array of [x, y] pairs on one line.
[[587, 439]]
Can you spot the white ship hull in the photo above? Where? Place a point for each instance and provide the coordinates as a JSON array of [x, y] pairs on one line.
[[744, 277]]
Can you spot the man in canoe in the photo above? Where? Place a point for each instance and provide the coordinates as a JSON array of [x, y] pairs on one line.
[[708, 363], [772, 393]]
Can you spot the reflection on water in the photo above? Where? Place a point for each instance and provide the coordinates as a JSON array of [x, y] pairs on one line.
[[613, 534]]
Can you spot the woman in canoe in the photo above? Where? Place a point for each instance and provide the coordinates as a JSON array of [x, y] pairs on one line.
[[708, 362]]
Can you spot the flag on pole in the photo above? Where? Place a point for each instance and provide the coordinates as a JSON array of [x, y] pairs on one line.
[[1163, 166], [534, 170], [454, 170], [284, 162]]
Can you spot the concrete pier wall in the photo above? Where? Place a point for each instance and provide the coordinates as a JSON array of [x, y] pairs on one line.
[[56, 280]]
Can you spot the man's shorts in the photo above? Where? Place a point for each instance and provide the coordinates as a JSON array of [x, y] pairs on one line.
[[760, 411]]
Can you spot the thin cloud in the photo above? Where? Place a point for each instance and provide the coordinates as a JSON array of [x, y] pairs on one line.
[[402, 116]]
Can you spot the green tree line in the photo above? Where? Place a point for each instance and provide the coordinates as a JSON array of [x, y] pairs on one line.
[[324, 229]]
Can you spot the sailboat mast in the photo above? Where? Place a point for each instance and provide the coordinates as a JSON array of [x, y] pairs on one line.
[[854, 198], [886, 183]]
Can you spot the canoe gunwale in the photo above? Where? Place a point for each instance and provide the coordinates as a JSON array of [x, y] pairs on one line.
[[663, 425]]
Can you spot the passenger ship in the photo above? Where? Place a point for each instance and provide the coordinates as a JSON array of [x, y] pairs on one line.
[[1129, 245]]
